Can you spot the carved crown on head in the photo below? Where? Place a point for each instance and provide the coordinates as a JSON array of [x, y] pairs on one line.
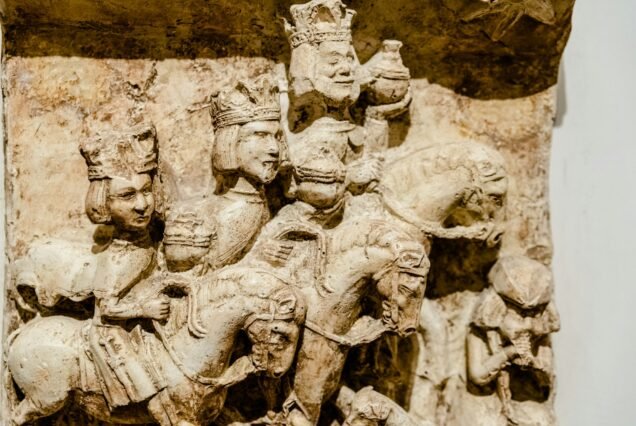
[[121, 154], [248, 101], [318, 21]]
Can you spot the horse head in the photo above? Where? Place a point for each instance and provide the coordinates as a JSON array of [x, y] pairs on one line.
[[274, 328], [401, 287], [379, 252], [485, 193], [272, 319], [459, 186]]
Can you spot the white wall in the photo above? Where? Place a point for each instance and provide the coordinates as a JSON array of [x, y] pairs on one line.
[[593, 196]]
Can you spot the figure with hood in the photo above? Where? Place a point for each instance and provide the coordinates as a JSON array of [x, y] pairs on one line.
[[509, 353]]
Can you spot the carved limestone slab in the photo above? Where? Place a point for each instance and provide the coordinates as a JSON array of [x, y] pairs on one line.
[[248, 240]]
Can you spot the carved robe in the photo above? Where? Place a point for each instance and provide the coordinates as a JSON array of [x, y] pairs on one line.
[[126, 372], [302, 226], [234, 220]]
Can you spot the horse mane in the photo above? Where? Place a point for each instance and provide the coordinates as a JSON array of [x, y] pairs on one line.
[[241, 281], [441, 158], [377, 233]]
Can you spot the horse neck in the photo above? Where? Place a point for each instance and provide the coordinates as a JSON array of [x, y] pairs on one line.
[[442, 193], [349, 267], [222, 312], [432, 180], [352, 263]]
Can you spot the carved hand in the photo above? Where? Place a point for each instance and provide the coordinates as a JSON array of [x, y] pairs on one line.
[[388, 111], [364, 171], [277, 252], [511, 352], [156, 308]]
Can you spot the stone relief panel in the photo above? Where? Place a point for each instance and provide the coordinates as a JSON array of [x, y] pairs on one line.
[[237, 240]]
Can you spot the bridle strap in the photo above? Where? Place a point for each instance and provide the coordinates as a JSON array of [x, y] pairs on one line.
[[345, 340], [192, 375], [341, 340]]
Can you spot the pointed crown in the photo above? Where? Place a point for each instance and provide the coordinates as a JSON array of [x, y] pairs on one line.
[[121, 153], [318, 21], [248, 101]]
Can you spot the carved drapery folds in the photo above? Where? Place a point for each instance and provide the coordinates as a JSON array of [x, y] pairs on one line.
[[321, 274]]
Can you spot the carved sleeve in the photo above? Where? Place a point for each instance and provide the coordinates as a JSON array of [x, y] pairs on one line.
[[115, 308], [483, 367]]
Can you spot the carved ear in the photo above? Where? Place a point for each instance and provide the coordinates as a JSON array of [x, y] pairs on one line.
[[289, 28]]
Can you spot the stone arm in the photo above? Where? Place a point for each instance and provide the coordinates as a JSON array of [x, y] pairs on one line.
[[544, 359], [376, 123], [484, 366], [116, 308]]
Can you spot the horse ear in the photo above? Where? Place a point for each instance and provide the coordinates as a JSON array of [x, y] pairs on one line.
[[287, 305]]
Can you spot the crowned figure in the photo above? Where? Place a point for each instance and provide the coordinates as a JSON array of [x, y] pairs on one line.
[[248, 150], [326, 78], [121, 169]]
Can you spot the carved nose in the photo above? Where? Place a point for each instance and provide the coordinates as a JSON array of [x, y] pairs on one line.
[[140, 203], [344, 69], [272, 148]]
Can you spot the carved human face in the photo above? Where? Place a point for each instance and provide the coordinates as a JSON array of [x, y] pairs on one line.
[[258, 150], [320, 195], [274, 345], [131, 202], [334, 73]]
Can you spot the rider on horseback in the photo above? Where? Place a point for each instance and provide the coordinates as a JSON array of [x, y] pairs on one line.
[[317, 183], [120, 170]]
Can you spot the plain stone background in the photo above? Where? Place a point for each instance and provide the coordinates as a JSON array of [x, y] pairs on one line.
[[593, 196], [593, 200]]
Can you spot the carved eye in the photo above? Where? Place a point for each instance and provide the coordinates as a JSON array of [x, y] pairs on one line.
[[496, 199], [406, 290], [126, 196]]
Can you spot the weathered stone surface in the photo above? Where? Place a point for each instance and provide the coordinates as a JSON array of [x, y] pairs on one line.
[[439, 44], [399, 237]]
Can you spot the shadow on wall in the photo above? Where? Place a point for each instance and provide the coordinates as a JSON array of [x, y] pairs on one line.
[[449, 42]]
